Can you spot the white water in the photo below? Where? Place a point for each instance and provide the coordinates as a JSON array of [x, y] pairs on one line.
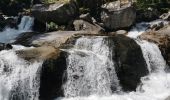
[[90, 68], [9, 34], [19, 80], [155, 86]]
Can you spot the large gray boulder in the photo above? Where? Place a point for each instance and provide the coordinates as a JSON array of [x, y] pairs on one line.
[[60, 12], [115, 17]]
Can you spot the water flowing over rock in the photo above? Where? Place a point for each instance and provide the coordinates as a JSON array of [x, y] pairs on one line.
[[90, 68], [9, 34], [117, 18], [60, 13], [162, 39], [19, 80]]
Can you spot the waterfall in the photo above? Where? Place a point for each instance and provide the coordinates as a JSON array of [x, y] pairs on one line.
[[155, 86], [91, 68], [26, 23], [19, 80], [9, 34]]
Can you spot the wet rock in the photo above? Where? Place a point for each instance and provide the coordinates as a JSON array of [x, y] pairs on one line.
[[25, 38], [4, 46], [131, 65], [53, 77], [60, 13], [117, 17]]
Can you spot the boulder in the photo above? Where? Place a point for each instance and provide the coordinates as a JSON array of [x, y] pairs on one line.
[[162, 39], [55, 39], [4, 46], [116, 17], [81, 25], [61, 12], [131, 65]]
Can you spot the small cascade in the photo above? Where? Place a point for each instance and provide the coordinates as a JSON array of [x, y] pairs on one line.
[[90, 68], [151, 52], [9, 34], [26, 23], [19, 80]]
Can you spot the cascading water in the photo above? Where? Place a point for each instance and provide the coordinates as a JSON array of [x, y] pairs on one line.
[[9, 34], [19, 80], [155, 86], [91, 68]]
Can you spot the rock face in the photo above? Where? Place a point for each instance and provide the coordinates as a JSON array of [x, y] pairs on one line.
[[115, 18], [162, 39], [52, 77], [60, 13], [131, 65]]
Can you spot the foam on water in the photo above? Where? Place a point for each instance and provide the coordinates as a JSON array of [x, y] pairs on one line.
[[19, 80], [9, 34]]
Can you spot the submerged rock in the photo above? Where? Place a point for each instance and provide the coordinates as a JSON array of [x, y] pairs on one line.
[[116, 17], [60, 13]]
